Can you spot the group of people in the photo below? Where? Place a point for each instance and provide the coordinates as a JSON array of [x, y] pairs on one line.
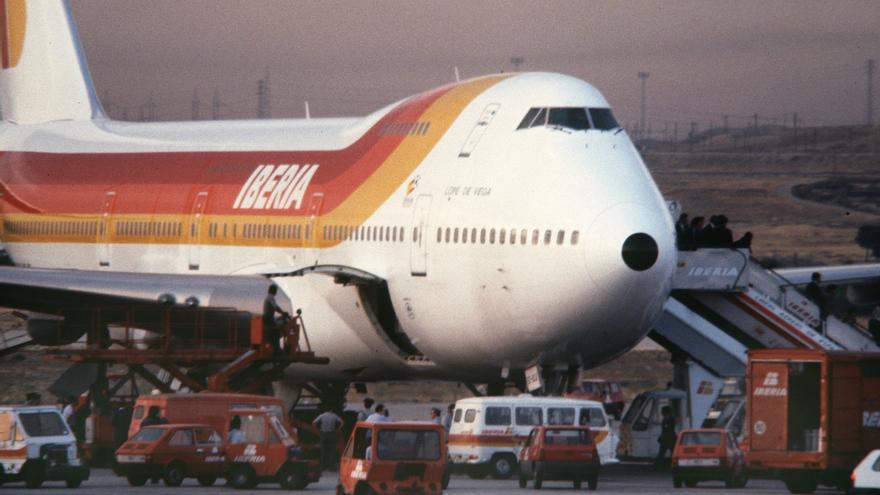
[[696, 233]]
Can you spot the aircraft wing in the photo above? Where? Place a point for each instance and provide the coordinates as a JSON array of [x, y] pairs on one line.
[[54, 290], [843, 274]]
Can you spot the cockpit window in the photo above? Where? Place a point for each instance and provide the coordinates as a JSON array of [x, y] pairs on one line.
[[574, 118], [603, 119], [571, 118]]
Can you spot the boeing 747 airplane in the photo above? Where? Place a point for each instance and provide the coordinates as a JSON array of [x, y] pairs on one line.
[[495, 223]]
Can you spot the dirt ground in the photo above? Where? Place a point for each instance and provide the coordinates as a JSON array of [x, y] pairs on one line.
[[755, 192]]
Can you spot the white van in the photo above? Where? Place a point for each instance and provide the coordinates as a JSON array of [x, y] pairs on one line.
[[486, 432], [36, 445]]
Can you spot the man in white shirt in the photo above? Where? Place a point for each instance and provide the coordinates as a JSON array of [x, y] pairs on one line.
[[328, 424], [378, 415], [368, 409]]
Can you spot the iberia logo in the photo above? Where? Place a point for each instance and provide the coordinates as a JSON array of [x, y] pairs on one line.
[[12, 17]]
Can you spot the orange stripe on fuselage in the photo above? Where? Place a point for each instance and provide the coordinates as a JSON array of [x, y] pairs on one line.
[[355, 181]]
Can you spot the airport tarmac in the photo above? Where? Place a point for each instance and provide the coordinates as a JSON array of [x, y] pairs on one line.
[[628, 478]]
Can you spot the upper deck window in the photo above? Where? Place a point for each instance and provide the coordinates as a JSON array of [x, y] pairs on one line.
[[574, 118]]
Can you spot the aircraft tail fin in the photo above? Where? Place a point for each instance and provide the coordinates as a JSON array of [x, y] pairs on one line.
[[43, 73]]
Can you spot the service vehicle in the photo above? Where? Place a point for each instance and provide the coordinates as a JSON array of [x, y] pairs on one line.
[[217, 411], [708, 454], [559, 453], [266, 453], [486, 432], [205, 407], [641, 425], [393, 457], [813, 414], [36, 445], [172, 452], [866, 476], [604, 391]]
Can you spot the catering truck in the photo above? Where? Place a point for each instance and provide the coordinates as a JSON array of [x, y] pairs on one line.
[[812, 414]]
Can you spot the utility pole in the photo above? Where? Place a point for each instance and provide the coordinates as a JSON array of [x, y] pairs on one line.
[[263, 103], [516, 62], [643, 77], [215, 105], [194, 108], [869, 92]]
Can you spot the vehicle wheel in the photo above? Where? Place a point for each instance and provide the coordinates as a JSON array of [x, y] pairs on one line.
[[676, 482], [291, 478], [690, 483], [73, 482], [503, 467], [799, 485], [593, 482], [523, 482], [241, 476], [174, 474], [478, 472], [577, 483], [207, 480], [364, 489], [34, 475], [137, 479]]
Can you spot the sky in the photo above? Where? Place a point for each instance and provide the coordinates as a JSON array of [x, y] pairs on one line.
[[705, 59]]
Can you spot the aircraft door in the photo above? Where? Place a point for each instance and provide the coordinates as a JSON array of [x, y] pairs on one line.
[[316, 202], [103, 230], [195, 248], [479, 129], [419, 240]]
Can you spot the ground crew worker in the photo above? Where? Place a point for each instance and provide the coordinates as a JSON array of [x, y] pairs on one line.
[[435, 416], [667, 436], [328, 424], [270, 308]]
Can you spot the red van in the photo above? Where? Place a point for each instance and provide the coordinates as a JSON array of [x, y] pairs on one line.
[[392, 458], [172, 452], [704, 454], [559, 453]]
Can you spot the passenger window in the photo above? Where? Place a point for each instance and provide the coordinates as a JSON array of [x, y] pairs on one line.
[[455, 236], [457, 417], [591, 416], [497, 416], [560, 237], [181, 438], [447, 235], [530, 416], [560, 415], [439, 234], [474, 235], [464, 235], [502, 236], [535, 236], [575, 235], [644, 418], [523, 237], [513, 236], [492, 236], [470, 415], [360, 444], [482, 236], [547, 236]]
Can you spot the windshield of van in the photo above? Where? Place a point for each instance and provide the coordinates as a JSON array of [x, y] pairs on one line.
[[148, 435], [399, 445], [43, 424]]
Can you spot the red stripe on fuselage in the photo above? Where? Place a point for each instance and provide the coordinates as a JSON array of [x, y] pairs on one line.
[[165, 182]]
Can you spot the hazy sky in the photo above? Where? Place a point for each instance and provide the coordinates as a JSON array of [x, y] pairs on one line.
[[705, 58]]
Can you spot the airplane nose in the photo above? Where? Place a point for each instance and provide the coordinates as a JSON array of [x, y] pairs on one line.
[[629, 243], [639, 251]]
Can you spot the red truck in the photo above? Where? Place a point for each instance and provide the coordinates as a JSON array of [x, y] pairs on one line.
[[812, 415]]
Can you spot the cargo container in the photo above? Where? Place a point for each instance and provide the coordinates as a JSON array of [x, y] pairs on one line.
[[812, 415]]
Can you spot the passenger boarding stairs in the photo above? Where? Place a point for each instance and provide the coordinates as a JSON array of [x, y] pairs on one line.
[[756, 306], [723, 304]]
